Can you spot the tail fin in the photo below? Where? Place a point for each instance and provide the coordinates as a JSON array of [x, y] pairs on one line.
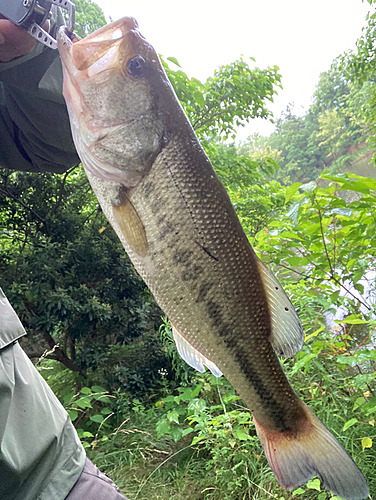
[[313, 451]]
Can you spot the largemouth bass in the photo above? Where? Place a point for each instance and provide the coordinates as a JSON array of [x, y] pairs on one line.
[[175, 220]]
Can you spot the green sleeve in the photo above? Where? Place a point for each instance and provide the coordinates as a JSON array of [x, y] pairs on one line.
[[35, 133]]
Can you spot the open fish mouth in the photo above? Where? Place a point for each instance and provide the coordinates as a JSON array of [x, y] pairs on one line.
[[92, 48]]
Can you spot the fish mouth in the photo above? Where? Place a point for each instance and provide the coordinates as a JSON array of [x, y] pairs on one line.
[[83, 53]]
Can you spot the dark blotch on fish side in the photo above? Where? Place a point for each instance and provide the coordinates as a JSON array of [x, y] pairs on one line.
[[148, 188], [191, 273], [228, 336], [165, 231], [182, 256], [156, 205], [202, 293]]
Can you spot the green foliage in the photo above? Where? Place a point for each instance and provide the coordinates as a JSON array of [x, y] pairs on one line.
[[328, 243], [66, 274], [221, 431], [359, 67], [88, 17], [322, 248], [233, 95], [331, 134]]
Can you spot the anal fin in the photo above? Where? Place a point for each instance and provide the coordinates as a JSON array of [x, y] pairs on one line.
[[192, 356]]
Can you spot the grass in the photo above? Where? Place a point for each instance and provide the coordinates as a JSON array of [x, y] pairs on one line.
[[146, 468]]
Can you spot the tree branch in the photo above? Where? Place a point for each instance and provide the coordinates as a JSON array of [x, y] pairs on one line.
[[324, 242], [60, 194], [61, 356], [18, 200], [198, 123], [333, 278]]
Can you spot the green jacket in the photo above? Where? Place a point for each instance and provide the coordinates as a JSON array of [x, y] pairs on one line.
[[41, 456]]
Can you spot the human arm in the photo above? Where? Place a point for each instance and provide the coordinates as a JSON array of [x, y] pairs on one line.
[[34, 126]]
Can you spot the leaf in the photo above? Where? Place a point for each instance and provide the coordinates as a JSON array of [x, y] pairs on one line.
[[314, 484], [85, 390], [241, 435], [359, 402], [106, 411], [173, 416], [294, 261], [176, 433], [290, 234], [366, 443], [298, 491], [309, 187], [197, 439], [188, 430], [100, 231], [355, 320], [314, 334], [174, 60], [186, 395], [83, 403], [349, 423], [98, 388], [73, 414], [199, 99], [291, 190], [97, 418], [162, 427]]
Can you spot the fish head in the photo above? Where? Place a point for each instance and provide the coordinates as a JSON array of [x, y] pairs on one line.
[[110, 87]]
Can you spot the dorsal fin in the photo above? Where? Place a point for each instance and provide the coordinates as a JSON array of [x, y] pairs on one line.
[[287, 332], [192, 356]]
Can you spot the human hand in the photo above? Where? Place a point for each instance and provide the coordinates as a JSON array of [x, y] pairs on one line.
[[15, 41]]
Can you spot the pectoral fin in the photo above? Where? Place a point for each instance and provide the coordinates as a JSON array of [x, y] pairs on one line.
[[287, 332], [191, 356], [130, 223]]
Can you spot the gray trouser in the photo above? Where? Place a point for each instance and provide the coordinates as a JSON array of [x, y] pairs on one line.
[[95, 485]]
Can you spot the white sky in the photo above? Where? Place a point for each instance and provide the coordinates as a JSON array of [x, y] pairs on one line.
[[300, 37]]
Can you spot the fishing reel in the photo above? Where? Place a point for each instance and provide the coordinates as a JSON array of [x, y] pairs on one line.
[[32, 14]]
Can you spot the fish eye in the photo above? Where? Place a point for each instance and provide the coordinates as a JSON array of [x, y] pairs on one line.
[[135, 66]]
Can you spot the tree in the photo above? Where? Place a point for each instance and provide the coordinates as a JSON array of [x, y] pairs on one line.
[[360, 70], [88, 17], [258, 148], [65, 273], [331, 126], [331, 134], [233, 95], [295, 137]]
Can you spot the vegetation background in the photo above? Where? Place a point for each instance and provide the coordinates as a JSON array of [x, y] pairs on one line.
[[306, 199]]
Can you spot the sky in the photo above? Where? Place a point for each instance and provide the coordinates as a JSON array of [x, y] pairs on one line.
[[301, 37]]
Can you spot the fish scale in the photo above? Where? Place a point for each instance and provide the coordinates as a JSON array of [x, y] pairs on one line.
[[175, 220]]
